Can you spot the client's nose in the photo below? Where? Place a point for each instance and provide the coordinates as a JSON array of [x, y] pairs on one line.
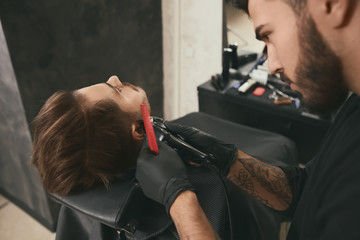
[[114, 81]]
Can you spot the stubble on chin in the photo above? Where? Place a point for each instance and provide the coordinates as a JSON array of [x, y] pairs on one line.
[[319, 72]]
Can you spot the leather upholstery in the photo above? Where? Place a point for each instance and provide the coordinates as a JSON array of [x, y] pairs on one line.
[[116, 208]]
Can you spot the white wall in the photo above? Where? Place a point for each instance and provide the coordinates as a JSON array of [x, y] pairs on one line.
[[241, 30], [192, 46]]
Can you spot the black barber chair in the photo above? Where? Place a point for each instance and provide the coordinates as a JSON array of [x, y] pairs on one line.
[[124, 212]]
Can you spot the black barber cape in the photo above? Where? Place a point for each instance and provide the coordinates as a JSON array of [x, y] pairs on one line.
[[326, 201]]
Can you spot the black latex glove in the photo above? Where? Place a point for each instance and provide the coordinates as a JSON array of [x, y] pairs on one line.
[[162, 177], [224, 154]]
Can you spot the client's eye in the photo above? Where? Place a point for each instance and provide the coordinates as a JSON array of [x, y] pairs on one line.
[[117, 89]]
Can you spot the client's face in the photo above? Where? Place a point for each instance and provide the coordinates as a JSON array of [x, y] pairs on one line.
[[126, 95]]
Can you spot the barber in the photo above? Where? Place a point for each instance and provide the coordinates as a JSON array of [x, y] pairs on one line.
[[315, 44]]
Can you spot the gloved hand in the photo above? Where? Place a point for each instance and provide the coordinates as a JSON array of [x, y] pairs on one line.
[[162, 177], [224, 154]]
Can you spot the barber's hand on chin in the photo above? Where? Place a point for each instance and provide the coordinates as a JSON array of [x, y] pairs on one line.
[[224, 154], [162, 177]]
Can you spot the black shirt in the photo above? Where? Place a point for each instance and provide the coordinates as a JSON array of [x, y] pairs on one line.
[[326, 202]]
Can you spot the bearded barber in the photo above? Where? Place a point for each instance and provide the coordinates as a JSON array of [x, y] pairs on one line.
[[316, 45]]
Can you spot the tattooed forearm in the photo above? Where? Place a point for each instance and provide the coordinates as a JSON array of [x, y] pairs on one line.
[[244, 180], [270, 177], [266, 183]]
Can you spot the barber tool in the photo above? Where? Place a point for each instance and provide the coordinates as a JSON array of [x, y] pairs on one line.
[[246, 58], [259, 76], [217, 82], [226, 64], [177, 142], [249, 82], [278, 100], [246, 86], [234, 56], [273, 79], [149, 129], [237, 85], [280, 92], [263, 77], [261, 60], [284, 98], [287, 90]]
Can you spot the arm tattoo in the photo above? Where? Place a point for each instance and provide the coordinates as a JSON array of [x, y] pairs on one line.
[[260, 179]]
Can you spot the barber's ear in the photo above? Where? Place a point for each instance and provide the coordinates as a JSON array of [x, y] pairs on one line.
[[137, 131], [335, 12]]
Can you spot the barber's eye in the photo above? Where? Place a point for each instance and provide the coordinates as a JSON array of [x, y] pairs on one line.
[[265, 37]]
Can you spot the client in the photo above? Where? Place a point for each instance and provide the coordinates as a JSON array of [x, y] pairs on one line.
[[86, 137]]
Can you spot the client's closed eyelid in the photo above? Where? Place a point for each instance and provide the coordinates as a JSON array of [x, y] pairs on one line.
[[116, 88]]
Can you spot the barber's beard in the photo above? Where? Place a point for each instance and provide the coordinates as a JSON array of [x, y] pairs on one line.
[[319, 72]]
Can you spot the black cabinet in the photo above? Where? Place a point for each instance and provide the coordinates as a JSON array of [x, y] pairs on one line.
[[305, 129]]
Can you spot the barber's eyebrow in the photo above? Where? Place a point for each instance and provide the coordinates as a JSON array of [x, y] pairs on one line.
[[257, 32]]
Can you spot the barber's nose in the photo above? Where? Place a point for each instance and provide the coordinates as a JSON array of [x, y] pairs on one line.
[[114, 81], [274, 64]]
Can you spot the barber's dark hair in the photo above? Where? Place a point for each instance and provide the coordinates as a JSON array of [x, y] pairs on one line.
[[77, 146], [241, 4], [297, 5]]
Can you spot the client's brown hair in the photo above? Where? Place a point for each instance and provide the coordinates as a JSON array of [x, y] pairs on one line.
[[77, 146]]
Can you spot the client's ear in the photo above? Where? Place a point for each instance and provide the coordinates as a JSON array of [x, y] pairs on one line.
[[137, 130]]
